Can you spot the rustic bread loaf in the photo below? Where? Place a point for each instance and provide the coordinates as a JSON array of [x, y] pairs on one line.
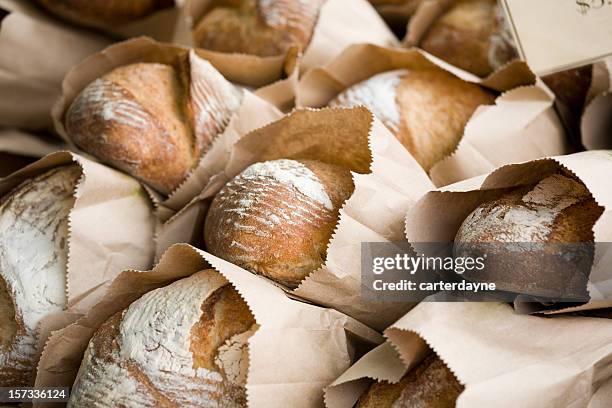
[[557, 210], [277, 217], [104, 12], [429, 385], [153, 121], [33, 258], [257, 27], [471, 35], [184, 345], [426, 110]]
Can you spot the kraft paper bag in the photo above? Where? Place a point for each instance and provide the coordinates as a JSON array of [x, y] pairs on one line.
[[315, 344], [18, 149], [387, 180], [523, 119], [439, 214]]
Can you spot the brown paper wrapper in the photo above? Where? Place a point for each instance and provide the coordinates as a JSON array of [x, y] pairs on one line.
[[253, 112], [439, 214], [18, 149], [35, 54], [522, 120], [110, 229], [340, 23], [314, 343], [387, 182], [546, 362]]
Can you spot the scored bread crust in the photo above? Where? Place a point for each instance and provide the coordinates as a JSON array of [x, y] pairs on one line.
[[426, 110], [99, 12], [153, 121], [184, 345], [429, 385], [257, 27], [557, 210], [277, 217], [473, 36], [33, 257]]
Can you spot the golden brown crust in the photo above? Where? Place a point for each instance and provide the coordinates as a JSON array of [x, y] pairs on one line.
[[153, 121], [257, 27], [104, 12], [429, 385], [276, 218], [472, 36]]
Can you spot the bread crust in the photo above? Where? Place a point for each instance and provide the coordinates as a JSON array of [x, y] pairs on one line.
[[153, 121], [33, 256], [429, 385], [104, 12], [257, 27], [473, 36], [557, 210], [426, 110], [276, 218], [169, 349]]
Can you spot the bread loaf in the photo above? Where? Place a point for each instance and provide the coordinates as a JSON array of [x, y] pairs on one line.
[[184, 345], [277, 217], [557, 210], [257, 27], [426, 110], [153, 121], [429, 385], [33, 257], [472, 35], [104, 12]]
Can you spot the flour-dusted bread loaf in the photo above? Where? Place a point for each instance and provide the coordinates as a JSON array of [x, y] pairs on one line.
[[429, 385], [104, 12], [184, 345], [559, 210], [426, 110], [472, 35], [33, 257], [153, 121], [276, 218], [257, 27]]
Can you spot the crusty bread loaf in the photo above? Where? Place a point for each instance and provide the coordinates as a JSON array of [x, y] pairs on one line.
[[426, 110], [277, 217], [104, 12], [257, 27], [429, 385], [472, 35], [153, 121], [184, 345], [33, 256], [557, 210]]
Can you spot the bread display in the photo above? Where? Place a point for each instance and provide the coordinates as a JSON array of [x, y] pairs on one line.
[[426, 110], [471, 35], [154, 121], [277, 217], [104, 12], [557, 210], [429, 385], [182, 345], [33, 257], [257, 27]]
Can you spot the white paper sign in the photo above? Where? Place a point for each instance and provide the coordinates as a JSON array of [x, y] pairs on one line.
[[555, 35]]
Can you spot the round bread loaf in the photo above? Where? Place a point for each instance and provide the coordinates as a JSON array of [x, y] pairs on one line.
[[277, 217], [257, 27], [153, 121], [33, 257], [426, 110], [429, 385], [184, 345], [104, 12], [558, 210], [471, 35]]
